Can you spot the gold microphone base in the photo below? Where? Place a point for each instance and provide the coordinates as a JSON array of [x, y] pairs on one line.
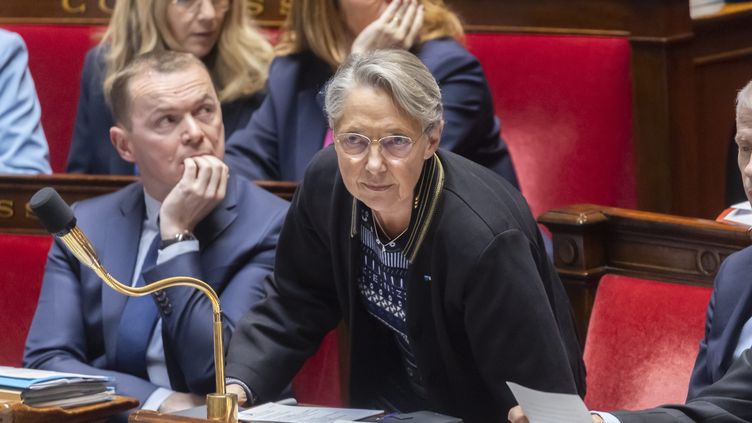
[[222, 407]]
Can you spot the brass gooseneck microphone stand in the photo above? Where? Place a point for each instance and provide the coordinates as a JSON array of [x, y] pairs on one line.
[[58, 219]]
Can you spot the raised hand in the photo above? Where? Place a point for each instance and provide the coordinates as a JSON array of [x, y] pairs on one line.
[[397, 27], [202, 186]]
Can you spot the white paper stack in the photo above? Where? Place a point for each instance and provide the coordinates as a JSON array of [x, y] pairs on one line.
[[41, 388]]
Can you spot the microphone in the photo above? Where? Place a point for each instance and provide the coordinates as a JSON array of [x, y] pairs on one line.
[[58, 219], [52, 211]]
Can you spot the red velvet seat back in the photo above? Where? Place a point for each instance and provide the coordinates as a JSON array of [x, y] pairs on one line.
[[565, 105], [22, 259], [642, 342], [56, 58], [319, 381]]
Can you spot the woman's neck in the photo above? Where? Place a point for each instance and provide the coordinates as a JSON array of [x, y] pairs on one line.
[[393, 224]]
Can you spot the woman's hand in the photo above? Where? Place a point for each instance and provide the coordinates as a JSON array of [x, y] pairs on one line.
[[397, 27], [517, 416]]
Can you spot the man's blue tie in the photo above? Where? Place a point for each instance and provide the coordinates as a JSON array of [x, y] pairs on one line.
[[137, 323]]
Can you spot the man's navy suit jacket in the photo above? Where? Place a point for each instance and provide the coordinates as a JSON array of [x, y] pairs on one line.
[[289, 128], [75, 327], [728, 400], [729, 309]]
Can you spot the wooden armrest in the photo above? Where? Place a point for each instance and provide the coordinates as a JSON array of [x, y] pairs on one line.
[[591, 240]]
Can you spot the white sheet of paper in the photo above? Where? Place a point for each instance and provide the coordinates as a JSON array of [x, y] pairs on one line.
[[271, 412], [740, 213], [23, 373], [546, 407]]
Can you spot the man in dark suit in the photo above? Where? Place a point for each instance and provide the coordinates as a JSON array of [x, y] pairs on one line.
[[186, 217], [728, 327]]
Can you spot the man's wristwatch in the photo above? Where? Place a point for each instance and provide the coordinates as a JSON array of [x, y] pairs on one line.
[[186, 235]]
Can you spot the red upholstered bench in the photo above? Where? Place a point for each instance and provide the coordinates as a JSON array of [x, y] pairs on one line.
[[22, 259], [56, 58], [642, 342], [643, 335], [565, 105]]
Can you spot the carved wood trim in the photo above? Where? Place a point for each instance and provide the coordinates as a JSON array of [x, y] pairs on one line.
[[590, 241]]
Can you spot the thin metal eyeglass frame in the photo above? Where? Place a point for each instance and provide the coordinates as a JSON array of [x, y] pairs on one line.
[[384, 151]]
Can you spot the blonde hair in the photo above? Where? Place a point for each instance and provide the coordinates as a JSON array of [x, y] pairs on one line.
[[317, 26], [241, 59]]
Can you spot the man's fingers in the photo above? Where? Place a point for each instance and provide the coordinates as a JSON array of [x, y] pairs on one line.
[[217, 169], [190, 167], [223, 181], [203, 177]]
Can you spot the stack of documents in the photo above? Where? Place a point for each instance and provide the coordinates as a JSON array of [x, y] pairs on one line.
[[40, 388]]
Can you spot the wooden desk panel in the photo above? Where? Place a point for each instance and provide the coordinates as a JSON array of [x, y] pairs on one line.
[[147, 416], [19, 413], [16, 191]]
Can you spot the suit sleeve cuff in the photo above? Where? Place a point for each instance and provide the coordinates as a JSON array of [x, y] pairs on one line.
[[607, 417], [156, 399], [175, 250]]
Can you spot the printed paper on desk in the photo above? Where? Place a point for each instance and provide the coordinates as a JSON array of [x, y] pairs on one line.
[[271, 412], [546, 407]]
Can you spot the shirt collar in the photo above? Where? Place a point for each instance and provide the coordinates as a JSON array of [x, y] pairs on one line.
[[152, 209]]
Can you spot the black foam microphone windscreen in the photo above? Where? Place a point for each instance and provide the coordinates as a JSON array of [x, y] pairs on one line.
[[56, 216]]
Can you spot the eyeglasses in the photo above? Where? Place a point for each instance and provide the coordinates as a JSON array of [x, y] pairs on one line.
[[394, 146], [194, 6]]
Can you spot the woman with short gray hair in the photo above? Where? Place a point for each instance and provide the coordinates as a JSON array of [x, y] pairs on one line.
[[434, 263]]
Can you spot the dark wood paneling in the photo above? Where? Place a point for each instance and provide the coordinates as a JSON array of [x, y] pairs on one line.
[[15, 192], [722, 62], [590, 241]]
